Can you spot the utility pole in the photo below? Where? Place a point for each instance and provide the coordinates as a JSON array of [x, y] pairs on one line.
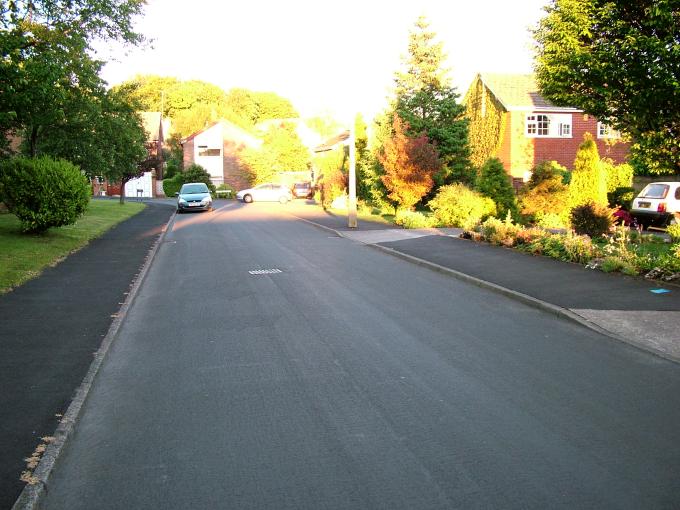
[[352, 206]]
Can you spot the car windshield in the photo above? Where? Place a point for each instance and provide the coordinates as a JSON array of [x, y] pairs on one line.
[[655, 191], [189, 189]]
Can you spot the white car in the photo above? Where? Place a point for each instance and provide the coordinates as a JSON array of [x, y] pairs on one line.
[[658, 203], [267, 192]]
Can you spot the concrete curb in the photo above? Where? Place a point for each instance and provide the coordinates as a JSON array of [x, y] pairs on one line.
[[559, 311], [30, 496]]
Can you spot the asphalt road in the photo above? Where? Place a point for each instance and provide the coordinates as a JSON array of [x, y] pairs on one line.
[[353, 379]]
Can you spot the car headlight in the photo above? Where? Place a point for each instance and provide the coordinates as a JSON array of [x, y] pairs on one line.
[[182, 201], [206, 200]]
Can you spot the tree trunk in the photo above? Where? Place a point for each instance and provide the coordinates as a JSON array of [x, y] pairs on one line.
[[33, 142], [123, 182]]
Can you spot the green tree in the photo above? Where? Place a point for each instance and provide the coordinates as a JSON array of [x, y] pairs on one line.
[[619, 62], [588, 179], [363, 160], [410, 164], [429, 104], [46, 59], [281, 151], [493, 182]]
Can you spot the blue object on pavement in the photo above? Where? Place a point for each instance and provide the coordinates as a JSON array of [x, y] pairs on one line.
[[659, 291]]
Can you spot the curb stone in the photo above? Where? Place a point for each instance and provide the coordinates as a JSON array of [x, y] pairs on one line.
[[29, 498], [558, 311]]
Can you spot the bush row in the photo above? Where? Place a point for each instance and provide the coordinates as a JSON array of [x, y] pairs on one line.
[[620, 250]]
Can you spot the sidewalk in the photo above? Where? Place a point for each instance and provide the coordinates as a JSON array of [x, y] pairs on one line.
[[616, 305], [51, 328]]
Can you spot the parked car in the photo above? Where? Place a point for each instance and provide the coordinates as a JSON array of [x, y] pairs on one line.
[[657, 204], [267, 192], [303, 190], [194, 196]]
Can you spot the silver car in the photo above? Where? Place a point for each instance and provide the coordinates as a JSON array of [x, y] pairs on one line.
[[267, 192], [194, 196]]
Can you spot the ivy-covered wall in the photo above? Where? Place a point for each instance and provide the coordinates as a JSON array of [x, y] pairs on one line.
[[487, 122]]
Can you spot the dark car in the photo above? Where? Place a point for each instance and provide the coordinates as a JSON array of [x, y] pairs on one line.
[[303, 190], [194, 196]]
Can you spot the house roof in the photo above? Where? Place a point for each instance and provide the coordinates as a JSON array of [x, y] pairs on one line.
[[519, 92], [331, 142], [229, 131], [152, 125]]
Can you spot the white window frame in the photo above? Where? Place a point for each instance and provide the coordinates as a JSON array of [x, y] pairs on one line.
[[548, 125], [606, 131]]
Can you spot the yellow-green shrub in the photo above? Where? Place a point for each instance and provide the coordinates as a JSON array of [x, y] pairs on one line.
[[456, 205]]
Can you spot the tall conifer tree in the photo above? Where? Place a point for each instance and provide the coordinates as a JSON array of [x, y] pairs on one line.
[[426, 100]]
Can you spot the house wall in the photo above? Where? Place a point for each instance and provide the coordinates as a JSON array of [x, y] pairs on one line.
[[210, 140], [188, 153], [520, 153], [236, 175], [563, 150]]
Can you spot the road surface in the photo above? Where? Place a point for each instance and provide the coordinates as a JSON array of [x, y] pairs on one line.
[[268, 364]]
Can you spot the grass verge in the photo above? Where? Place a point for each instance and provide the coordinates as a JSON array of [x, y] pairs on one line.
[[25, 256]]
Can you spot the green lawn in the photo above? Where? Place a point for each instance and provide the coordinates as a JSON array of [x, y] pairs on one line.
[[24, 256]]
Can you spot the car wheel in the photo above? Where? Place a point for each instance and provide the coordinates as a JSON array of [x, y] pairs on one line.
[[247, 199], [179, 211], [283, 199]]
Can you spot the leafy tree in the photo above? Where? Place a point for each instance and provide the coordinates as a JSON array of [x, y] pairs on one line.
[[46, 63], [273, 106], [588, 180], [410, 164], [281, 151], [363, 161], [149, 91], [493, 182], [429, 104], [619, 62], [332, 168]]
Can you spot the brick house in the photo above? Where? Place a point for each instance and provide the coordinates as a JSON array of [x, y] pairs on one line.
[[216, 148], [511, 121]]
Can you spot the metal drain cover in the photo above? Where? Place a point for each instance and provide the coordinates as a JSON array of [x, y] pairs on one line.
[[265, 271]]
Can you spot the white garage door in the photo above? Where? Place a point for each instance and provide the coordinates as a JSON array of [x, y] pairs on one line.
[[139, 187]]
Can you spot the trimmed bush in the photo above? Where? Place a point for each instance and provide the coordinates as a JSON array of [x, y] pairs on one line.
[[411, 219], [456, 205], [195, 173], [494, 183], [617, 176], [499, 232], [172, 185], [43, 192], [548, 197], [591, 219], [588, 180], [547, 170], [674, 232], [621, 197]]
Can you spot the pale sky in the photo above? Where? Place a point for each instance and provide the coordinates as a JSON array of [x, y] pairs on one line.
[[334, 57]]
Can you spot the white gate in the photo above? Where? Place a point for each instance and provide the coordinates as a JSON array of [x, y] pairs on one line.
[[139, 187]]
